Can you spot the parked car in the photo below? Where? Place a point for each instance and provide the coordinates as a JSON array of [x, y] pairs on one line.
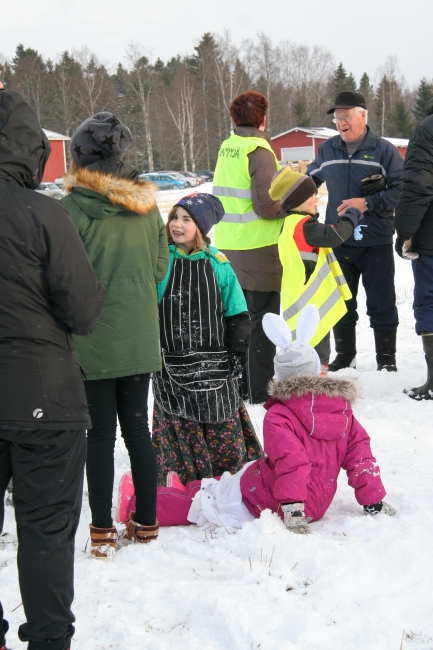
[[165, 181], [191, 178], [59, 182], [51, 189], [180, 176], [208, 175]]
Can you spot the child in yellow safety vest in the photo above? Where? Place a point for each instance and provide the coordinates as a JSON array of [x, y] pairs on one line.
[[311, 273]]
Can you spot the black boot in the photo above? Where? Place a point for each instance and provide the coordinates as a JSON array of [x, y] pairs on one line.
[[345, 347], [385, 350], [425, 391]]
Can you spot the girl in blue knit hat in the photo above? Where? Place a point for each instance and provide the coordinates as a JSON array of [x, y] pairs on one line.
[[200, 424]]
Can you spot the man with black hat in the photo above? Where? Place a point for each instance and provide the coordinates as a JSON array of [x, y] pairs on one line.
[[363, 171], [48, 290]]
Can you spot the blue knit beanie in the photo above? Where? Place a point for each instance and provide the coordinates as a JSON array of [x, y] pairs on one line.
[[205, 209]]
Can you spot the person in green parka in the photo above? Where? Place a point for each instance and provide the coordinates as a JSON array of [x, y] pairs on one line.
[[124, 236]]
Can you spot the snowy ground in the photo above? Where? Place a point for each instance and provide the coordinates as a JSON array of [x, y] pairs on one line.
[[357, 582]]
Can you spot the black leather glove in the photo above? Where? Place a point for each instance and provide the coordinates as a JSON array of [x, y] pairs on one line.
[[399, 245], [354, 215]]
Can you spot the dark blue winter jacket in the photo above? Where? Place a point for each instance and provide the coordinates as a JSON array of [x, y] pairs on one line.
[[343, 173]]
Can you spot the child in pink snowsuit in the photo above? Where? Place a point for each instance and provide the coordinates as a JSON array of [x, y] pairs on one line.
[[310, 433]]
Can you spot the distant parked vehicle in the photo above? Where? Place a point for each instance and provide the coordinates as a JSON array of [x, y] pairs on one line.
[[59, 182], [191, 178], [207, 175], [51, 189], [165, 181], [181, 177]]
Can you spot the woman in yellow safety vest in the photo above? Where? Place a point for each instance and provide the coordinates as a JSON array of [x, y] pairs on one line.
[[311, 273]]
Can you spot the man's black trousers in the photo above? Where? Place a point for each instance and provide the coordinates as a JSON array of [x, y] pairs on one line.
[[47, 469], [126, 398], [375, 266], [260, 366]]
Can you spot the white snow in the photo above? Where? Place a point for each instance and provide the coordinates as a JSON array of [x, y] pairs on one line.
[[357, 582]]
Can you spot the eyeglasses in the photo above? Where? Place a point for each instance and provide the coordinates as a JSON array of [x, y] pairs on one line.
[[345, 118]]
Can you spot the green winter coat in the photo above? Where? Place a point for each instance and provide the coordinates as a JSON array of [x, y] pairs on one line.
[[125, 239]]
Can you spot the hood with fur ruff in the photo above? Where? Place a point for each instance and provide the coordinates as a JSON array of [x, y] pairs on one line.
[[130, 195], [301, 385], [320, 404]]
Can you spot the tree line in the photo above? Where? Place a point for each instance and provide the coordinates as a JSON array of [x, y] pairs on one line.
[[178, 111]]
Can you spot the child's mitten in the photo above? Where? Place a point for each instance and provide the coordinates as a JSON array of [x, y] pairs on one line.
[[354, 215], [381, 508], [237, 363], [294, 518]]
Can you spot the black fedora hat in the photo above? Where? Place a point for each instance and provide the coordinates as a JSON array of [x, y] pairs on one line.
[[348, 100]]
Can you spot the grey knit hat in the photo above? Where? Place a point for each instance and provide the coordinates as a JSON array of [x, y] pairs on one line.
[[98, 138], [294, 358]]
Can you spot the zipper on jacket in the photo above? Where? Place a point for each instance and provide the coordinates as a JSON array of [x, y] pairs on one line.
[[349, 176]]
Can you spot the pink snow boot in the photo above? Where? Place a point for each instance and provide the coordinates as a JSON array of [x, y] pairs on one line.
[[174, 481], [125, 499]]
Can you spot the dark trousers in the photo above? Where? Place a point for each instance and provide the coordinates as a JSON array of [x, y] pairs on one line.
[[125, 397], [260, 366], [47, 469], [375, 266], [323, 349], [422, 269]]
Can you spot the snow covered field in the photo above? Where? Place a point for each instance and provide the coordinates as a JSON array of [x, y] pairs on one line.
[[357, 582]]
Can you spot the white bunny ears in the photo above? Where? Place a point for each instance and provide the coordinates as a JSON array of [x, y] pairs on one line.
[[277, 330], [296, 358]]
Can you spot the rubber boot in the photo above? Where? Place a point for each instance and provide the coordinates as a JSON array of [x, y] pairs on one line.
[[385, 350], [425, 391], [345, 347]]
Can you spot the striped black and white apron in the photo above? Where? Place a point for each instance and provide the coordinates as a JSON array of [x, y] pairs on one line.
[[195, 381]]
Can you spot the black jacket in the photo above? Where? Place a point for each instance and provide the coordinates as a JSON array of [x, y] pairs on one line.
[[48, 288], [414, 211]]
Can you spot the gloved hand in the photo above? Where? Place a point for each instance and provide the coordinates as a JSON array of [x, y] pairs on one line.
[[381, 508], [294, 518], [237, 364], [399, 242], [354, 215]]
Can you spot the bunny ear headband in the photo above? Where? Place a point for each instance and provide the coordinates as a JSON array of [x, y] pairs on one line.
[[296, 358]]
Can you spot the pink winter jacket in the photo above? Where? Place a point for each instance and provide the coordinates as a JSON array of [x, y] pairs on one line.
[[310, 433]]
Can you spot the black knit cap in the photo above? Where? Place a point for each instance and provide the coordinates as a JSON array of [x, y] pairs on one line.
[[98, 138], [348, 99], [206, 210]]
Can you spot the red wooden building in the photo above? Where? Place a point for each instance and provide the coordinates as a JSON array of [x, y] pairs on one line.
[[56, 163], [302, 143]]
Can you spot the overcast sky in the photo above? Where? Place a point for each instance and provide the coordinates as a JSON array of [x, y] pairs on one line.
[[361, 33]]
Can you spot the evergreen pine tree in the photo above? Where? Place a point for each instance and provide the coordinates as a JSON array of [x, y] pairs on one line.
[[350, 83], [402, 120], [423, 100], [338, 81]]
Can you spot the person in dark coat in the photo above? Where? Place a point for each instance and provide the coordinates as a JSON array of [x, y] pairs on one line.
[[362, 170], [414, 226], [48, 290], [122, 230]]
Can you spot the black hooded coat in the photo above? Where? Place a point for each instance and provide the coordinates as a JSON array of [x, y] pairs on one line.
[[48, 288], [414, 211]]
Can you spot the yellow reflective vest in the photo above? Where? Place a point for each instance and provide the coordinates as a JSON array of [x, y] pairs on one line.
[[326, 287], [241, 228]]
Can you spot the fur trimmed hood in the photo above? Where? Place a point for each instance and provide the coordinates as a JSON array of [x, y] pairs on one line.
[[134, 196], [301, 385]]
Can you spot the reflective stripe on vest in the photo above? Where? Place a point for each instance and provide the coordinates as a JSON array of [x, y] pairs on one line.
[[241, 227], [326, 288]]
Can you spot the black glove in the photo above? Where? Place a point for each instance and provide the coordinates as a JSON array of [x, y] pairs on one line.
[[354, 215], [399, 245], [381, 508], [237, 363]]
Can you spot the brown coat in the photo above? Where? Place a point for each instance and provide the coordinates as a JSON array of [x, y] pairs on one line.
[[259, 269]]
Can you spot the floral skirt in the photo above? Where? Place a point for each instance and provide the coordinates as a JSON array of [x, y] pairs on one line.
[[197, 450]]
